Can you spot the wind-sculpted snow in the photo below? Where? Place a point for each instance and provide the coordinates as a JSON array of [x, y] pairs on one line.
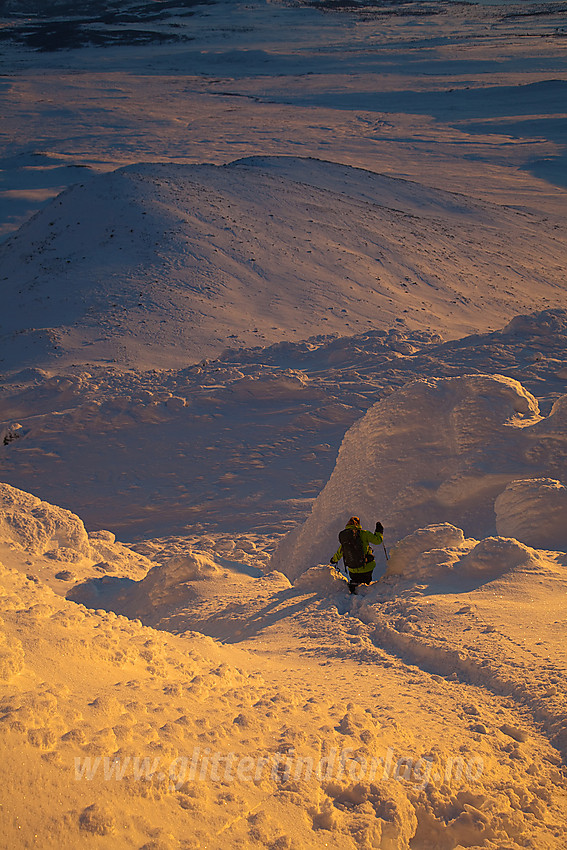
[[534, 511], [183, 348], [38, 526], [441, 553], [63, 549], [441, 544], [435, 451]]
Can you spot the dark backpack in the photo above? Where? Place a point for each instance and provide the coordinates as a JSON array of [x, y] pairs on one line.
[[354, 554]]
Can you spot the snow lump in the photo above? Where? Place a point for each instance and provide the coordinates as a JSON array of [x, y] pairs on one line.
[[534, 511]]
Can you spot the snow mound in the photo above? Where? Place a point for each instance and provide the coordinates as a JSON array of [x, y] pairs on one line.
[[436, 451], [37, 526], [321, 579], [166, 588], [55, 536], [441, 552], [167, 584], [414, 554], [495, 556], [534, 510], [542, 324]]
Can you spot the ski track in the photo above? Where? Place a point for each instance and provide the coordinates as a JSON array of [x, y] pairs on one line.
[[511, 676]]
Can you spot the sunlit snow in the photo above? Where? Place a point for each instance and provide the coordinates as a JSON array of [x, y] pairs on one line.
[[265, 266]]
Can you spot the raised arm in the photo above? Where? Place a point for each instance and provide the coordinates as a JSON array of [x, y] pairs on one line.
[[377, 536]]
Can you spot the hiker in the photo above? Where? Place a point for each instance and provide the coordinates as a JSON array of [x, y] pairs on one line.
[[356, 552]]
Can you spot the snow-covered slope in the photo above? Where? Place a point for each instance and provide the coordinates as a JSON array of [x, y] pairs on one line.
[[416, 715], [160, 265]]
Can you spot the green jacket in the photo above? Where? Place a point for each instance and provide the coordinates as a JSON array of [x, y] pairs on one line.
[[367, 538]]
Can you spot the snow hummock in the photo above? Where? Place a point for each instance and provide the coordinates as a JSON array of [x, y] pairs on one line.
[[534, 510], [434, 541], [63, 551], [436, 450], [38, 527], [442, 553]]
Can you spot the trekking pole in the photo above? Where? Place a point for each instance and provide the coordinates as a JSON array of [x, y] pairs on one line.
[[385, 551]]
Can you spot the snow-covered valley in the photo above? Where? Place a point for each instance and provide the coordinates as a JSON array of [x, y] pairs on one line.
[[265, 266]]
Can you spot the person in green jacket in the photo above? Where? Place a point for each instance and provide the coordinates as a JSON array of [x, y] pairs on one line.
[[356, 552]]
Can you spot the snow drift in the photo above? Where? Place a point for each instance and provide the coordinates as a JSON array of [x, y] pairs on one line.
[[432, 547], [37, 526], [58, 539], [442, 553], [534, 511], [436, 451]]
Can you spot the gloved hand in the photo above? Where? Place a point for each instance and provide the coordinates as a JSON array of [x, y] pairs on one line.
[[379, 528], [332, 562]]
